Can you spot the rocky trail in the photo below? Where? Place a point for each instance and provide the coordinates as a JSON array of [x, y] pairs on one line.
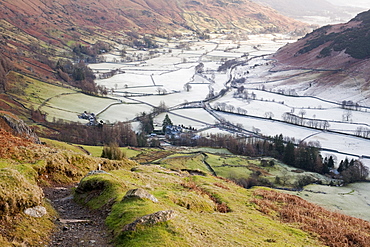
[[76, 225]]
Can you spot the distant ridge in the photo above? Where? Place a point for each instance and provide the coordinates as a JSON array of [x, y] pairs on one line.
[[36, 33], [331, 47], [342, 48], [320, 8]]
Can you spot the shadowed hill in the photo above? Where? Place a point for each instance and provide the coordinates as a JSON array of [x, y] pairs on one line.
[[38, 37], [342, 49], [40, 18], [347, 43]]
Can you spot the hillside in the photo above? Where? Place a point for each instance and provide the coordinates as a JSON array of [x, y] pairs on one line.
[[38, 38], [144, 16], [340, 52], [347, 43], [179, 208], [300, 9]]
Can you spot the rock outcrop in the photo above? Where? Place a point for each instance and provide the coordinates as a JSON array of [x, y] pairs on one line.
[[151, 219], [17, 127], [139, 193]]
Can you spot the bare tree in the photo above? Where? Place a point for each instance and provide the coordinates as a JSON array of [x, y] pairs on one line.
[[187, 87], [302, 113], [347, 116], [231, 108], [269, 115]]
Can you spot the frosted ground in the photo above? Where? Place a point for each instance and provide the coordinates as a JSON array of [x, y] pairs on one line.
[[353, 199], [161, 78]]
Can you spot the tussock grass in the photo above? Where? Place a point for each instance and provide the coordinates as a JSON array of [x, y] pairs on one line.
[[334, 229], [17, 193], [101, 190], [24, 168], [220, 205], [23, 230]]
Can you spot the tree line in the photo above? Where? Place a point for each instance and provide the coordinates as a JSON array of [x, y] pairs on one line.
[[305, 156], [79, 75], [119, 133]]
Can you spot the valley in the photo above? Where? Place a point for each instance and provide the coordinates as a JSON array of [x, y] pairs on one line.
[[267, 102], [184, 123], [270, 103]]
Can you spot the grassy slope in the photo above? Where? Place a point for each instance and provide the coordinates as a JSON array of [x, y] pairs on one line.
[[56, 101], [231, 166], [197, 200], [198, 222], [253, 218], [24, 168]]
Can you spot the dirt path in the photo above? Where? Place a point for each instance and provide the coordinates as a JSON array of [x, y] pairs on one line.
[[76, 225]]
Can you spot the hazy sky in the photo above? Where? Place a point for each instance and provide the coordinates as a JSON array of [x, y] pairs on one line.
[[359, 3]]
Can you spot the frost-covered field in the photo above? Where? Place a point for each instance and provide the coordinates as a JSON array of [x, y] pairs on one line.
[[168, 76], [194, 117], [123, 112], [311, 108], [162, 78], [353, 199], [69, 106]]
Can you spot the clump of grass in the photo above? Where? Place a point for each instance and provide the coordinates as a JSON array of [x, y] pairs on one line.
[[64, 167], [127, 211], [192, 201], [113, 152], [334, 229], [221, 206], [99, 190], [17, 193], [23, 230]]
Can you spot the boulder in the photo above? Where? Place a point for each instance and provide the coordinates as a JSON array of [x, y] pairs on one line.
[[94, 172], [139, 193], [151, 219], [36, 212]]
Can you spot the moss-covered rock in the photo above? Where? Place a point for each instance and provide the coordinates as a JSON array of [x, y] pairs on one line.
[[140, 193], [150, 219]]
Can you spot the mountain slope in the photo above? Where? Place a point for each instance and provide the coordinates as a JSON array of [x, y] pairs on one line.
[[160, 16], [341, 50], [38, 38], [301, 8], [331, 47]]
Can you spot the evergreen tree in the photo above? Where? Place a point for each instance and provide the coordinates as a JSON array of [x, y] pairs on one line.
[[331, 162], [289, 156], [166, 122], [279, 144], [343, 165]]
